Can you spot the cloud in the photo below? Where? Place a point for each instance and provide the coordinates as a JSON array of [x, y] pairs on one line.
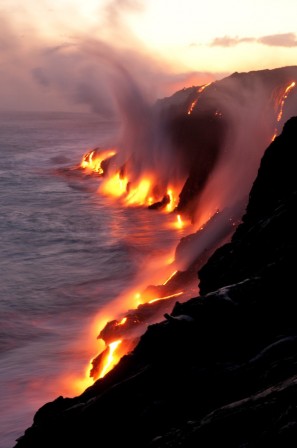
[[274, 40], [115, 9], [228, 41], [279, 40], [88, 68]]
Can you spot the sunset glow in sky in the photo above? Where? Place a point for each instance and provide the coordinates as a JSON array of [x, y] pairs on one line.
[[56, 53]]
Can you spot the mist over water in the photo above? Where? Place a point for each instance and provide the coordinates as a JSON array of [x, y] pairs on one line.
[[66, 253]]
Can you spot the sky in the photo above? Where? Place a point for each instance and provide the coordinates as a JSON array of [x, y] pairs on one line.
[[71, 54]]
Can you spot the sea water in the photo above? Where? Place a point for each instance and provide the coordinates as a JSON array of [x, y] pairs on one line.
[[66, 253]]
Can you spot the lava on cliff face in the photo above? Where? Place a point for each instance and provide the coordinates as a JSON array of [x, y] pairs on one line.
[[121, 336], [197, 159], [193, 103], [280, 103], [192, 158]]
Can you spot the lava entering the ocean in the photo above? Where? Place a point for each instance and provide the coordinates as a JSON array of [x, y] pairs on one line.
[[93, 160], [202, 172]]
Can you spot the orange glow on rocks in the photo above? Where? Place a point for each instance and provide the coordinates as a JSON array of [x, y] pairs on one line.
[[123, 321], [140, 194], [169, 278], [193, 104], [166, 297], [281, 103], [114, 186], [92, 160], [284, 97], [112, 359], [143, 192], [179, 221], [120, 335], [173, 199], [136, 194]]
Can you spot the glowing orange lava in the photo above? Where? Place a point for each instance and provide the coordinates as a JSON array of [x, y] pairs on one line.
[[166, 297], [193, 104], [179, 221], [169, 278], [140, 193], [115, 350], [111, 359], [122, 322], [285, 96], [172, 193], [281, 105], [92, 160], [114, 186], [132, 194]]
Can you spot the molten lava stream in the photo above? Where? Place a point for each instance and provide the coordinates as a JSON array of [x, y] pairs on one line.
[[126, 331], [281, 104], [111, 358], [122, 335], [180, 223], [137, 194], [193, 104], [92, 160]]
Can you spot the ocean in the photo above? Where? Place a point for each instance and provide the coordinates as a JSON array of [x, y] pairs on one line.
[[67, 253]]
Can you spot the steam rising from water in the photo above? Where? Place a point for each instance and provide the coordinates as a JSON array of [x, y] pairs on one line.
[[211, 156]]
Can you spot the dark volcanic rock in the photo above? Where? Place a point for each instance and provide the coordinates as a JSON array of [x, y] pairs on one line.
[[201, 136], [266, 241], [221, 370]]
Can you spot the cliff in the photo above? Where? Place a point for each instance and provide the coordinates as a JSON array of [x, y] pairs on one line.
[[222, 368]]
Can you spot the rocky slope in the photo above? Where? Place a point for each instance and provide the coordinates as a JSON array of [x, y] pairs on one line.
[[221, 370]]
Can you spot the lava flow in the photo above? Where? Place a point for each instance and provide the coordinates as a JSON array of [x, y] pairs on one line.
[[110, 360], [141, 193], [93, 160], [281, 104], [200, 169], [144, 192], [193, 104], [121, 336], [285, 96]]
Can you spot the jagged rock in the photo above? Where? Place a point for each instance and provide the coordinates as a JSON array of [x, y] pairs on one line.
[[161, 204]]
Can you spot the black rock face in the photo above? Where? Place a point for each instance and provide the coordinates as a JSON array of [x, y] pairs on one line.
[[221, 370], [265, 240]]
